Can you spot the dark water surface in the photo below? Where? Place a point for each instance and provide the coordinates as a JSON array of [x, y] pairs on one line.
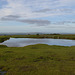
[[2, 72], [21, 42]]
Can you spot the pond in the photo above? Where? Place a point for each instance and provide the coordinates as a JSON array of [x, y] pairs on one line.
[[2, 72], [21, 42]]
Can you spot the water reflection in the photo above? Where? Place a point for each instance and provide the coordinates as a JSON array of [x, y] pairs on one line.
[[21, 42], [2, 72]]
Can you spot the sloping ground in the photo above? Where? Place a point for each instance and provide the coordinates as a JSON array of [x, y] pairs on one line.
[[38, 59], [3, 38]]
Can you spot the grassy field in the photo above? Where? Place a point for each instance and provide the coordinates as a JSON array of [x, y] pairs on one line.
[[54, 36], [39, 59], [3, 38]]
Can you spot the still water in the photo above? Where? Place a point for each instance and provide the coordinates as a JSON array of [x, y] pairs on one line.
[[21, 42]]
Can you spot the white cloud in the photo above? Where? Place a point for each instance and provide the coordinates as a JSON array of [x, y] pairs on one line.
[[26, 8]]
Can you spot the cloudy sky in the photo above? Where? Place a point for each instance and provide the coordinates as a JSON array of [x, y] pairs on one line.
[[51, 16]]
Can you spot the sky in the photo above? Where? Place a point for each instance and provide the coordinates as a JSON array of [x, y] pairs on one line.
[[45, 16]]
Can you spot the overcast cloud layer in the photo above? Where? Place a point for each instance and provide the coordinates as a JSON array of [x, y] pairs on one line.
[[38, 12]]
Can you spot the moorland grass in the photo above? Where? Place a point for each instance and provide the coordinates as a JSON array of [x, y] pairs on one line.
[[54, 36], [4, 38], [39, 59]]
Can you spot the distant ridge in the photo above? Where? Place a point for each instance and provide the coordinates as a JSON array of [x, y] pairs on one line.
[[31, 33]]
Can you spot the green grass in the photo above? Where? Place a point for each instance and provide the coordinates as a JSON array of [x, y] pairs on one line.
[[54, 36], [4, 38], [39, 59]]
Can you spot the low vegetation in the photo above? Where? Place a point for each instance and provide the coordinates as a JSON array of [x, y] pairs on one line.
[[3, 38], [54, 36], [39, 59]]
